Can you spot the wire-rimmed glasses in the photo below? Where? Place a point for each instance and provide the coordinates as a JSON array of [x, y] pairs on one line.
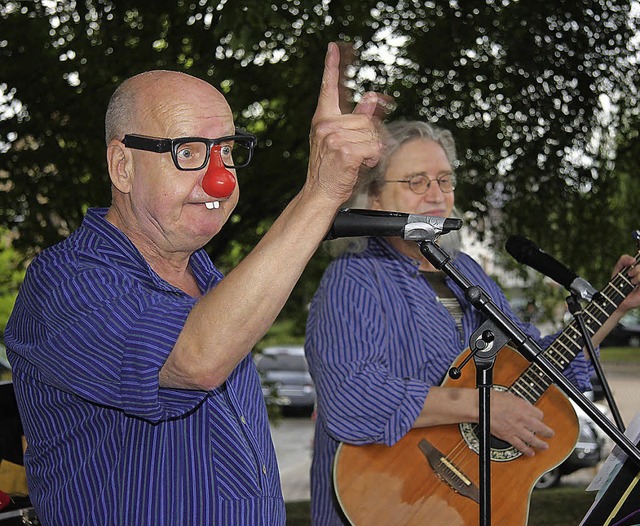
[[419, 184]]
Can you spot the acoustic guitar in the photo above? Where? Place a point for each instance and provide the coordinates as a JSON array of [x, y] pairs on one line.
[[430, 476]]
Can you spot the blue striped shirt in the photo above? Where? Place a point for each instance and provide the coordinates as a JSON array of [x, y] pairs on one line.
[[92, 326], [377, 339]]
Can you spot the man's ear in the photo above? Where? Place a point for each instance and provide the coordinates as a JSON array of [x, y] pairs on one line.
[[120, 165]]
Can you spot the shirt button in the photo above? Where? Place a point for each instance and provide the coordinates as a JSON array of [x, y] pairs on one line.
[[243, 420], [264, 469]]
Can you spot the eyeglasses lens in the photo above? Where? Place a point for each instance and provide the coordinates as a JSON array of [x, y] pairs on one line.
[[238, 152], [421, 184], [193, 155]]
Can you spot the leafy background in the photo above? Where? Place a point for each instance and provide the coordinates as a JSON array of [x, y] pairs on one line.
[[541, 97]]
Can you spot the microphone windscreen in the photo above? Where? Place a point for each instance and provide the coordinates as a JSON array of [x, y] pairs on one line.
[[520, 248]]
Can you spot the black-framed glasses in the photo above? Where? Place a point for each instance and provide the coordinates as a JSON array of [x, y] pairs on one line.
[[419, 184], [192, 153]]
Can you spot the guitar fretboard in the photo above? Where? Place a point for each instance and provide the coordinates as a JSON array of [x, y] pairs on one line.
[[533, 382]]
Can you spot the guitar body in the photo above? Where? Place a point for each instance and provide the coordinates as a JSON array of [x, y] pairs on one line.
[[398, 485]]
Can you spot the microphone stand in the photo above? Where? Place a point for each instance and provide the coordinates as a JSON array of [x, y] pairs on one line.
[[530, 349], [484, 343], [576, 310]]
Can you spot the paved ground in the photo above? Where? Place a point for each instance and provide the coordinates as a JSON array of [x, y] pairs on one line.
[[293, 439], [624, 381], [293, 436]]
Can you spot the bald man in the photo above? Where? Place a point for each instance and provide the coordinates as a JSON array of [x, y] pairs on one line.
[[130, 350]]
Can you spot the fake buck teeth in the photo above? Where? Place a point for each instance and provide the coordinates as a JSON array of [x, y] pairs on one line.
[[212, 204]]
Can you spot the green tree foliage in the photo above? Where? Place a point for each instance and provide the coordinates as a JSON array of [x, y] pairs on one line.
[[11, 276], [521, 84]]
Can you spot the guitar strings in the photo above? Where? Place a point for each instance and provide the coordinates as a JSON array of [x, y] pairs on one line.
[[532, 384]]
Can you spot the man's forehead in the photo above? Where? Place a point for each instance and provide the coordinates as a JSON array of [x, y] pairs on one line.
[[199, 119], [197, 110]]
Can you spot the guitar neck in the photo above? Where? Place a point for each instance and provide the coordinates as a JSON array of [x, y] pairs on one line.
[[534, 382]]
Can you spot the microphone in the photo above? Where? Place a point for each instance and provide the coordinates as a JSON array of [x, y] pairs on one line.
[[353, 222], [528, 253]]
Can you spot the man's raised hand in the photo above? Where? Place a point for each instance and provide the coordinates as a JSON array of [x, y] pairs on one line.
[[341, 143]]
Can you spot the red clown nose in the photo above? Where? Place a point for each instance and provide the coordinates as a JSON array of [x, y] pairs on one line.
[[218, 182]]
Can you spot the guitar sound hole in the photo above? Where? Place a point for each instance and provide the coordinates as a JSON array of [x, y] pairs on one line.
[[496, 443], [501, 451]]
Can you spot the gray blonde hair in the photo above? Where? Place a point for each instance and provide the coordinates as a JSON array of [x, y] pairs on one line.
[[371, 180], [395, 134], [120, 112]]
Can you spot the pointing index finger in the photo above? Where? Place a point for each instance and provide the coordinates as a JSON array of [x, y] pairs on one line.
[[329, 98]]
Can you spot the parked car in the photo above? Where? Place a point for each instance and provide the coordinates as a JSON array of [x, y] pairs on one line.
[[626, 333], [286, 381]]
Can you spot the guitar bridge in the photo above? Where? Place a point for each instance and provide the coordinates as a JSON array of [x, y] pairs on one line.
[[448, 472]]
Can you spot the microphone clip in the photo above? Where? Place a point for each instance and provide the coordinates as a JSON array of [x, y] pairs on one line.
[[583, 289], [429, 228], [421, 231]]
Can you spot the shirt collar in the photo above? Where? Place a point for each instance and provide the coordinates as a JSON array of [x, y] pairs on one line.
[[129, 256], [382, 246]]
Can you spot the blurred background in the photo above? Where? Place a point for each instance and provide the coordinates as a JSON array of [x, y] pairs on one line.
[[541, 97], [542, 100]]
